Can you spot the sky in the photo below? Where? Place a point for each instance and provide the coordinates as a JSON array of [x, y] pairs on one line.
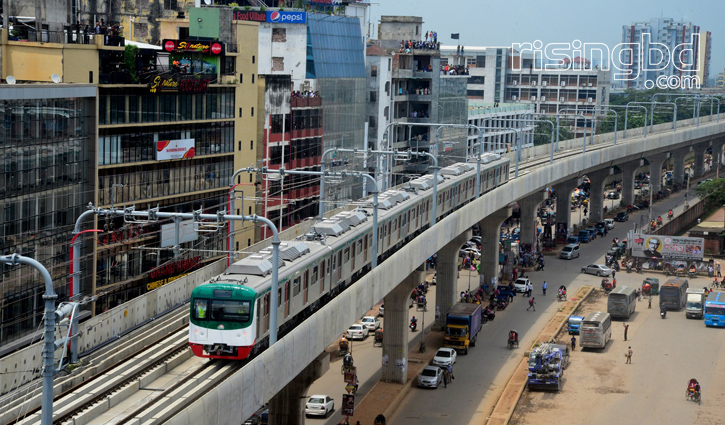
[[503, 22]]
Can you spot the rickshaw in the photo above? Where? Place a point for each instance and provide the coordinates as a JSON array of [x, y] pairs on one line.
[[607, 285], [561, 295], [343, 347], [692, 272], [421, 303], [693, 391], [513, 339], [378, 337]]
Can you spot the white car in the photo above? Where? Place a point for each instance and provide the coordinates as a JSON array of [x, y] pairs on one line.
[[445, 357], [468, 251], [319, 405], [520, 284], [610, 223], [430, 377], [371, 323], [357, 331], [381, 310], [597, 269]]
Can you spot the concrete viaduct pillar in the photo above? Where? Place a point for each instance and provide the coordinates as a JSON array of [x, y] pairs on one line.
[[699, 160], [655, 170], [490, 236], [447, 277], [528, 207], [563, 201], [629, 169], [678, 156], [287, 406], [596, 193], [717, 154], [395, 337]]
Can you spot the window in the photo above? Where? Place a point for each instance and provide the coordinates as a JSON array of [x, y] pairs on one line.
[[277, 64], [252, 110], [170, 4], [373, 121], [279, 35], [253, 58], [475, 94], [251, 145], [374, 71], [387, 87], [373, 96]]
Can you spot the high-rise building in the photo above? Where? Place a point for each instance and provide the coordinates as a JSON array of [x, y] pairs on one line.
[[658, 54], [703, 58]]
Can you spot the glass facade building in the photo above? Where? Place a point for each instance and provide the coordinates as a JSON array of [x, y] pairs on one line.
[[336, 59], [47, 145]]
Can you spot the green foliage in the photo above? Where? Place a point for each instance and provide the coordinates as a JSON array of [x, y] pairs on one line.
[[712, 192], [542, 132], [233, 4], [247, 7], [130, 59], [262, 9]]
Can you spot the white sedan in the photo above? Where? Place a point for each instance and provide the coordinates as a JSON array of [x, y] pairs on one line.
[[445, 357], [597, 269], [357, 331], [468, 251], [319, 405], [370, 322]]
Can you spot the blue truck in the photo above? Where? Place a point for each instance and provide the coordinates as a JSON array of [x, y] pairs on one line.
[[573, 324], [463, 322], [546, 366]]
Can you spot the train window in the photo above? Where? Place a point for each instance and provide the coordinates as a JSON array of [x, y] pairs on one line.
[[222, 293], [347, 255], [200, 309], [230, 310], [279, 297], [314, 274], [359, 245], [296, 287]]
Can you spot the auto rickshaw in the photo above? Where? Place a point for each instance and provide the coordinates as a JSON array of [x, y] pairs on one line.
[[651, 286], [378, 337], [421, 303]]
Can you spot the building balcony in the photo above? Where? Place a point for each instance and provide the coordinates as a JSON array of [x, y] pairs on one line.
[[305, 102], [423, 74], [413, 97], [413, 120], [403, 73]]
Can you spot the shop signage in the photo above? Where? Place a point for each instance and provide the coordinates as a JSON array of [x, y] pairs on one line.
[[174, 149], [667, 247], [213, 48], [188, 84], [275, 17]]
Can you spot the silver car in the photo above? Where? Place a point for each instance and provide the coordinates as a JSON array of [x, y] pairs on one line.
[[430, 377], [569, 251], [597, 269]]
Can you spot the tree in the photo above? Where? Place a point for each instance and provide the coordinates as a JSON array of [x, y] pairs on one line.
[[712, 192], [542, 132]]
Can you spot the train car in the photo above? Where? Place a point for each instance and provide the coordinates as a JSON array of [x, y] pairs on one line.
[[319, 265]]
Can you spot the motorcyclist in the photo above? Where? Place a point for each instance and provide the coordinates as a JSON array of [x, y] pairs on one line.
[[413, 322], [670, 214], [693, 387]]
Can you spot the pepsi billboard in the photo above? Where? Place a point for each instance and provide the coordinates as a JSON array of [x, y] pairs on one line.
[[277, 17]]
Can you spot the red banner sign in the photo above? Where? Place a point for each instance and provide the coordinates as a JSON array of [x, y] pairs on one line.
[[189, 84]]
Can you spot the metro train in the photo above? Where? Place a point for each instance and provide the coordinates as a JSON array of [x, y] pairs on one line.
[[230, 314]]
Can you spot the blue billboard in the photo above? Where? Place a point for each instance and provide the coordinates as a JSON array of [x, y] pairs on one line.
[[278, 17]]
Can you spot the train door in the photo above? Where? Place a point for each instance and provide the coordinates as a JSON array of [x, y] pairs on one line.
[[365, 249], [387, 232], [305, 286], [352, 257], [264, 311], [287, 287], [323, 275], [339, 267]]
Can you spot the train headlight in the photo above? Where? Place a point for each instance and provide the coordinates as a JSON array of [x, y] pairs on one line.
[[220, 327]]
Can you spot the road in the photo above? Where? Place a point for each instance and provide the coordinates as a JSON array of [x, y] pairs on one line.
[[481, 374]]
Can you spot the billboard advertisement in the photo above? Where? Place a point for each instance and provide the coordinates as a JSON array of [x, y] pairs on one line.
[[213, 48], [174, 149], [667, 247], [275, 17]]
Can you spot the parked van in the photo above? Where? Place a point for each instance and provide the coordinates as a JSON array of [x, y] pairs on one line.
[[584, 236], [622, 302], [672, 293], [695, 305]]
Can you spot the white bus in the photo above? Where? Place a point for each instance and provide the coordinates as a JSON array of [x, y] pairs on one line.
[[595, 330], [622, 302]]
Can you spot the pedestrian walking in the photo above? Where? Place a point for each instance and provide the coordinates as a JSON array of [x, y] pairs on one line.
[[438, 313], [649, 304], [573, 343], [449, 369], [544, 286], [629, 355], [717, 268], [445, 378], [614, 272], [532, 303], [626, 328]]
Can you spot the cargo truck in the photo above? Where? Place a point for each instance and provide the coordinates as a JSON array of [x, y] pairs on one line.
[[695, 305], [463, 322], [546, 366]]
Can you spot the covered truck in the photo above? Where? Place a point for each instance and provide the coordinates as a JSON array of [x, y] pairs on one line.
[[695, 305], [546, 366], [463, 322]]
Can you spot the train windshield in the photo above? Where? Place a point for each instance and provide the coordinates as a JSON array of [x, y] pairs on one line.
[[222, 310]]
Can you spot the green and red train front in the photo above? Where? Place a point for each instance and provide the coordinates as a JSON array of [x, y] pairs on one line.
[[222, 322]]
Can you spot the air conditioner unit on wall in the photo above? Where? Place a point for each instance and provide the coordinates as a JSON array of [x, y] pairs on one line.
[[563, 83], [533, 98], [561, 99], [533, 83], [543, 98], [516, 82], [513, 97], [543, 83], [590, 84], [590, 100]]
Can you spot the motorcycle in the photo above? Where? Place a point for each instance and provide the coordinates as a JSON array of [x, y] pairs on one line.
[[616, 266], [639, 268], [663, 312], [540, 266], [488, 315], [629, 268], [413, 326]]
